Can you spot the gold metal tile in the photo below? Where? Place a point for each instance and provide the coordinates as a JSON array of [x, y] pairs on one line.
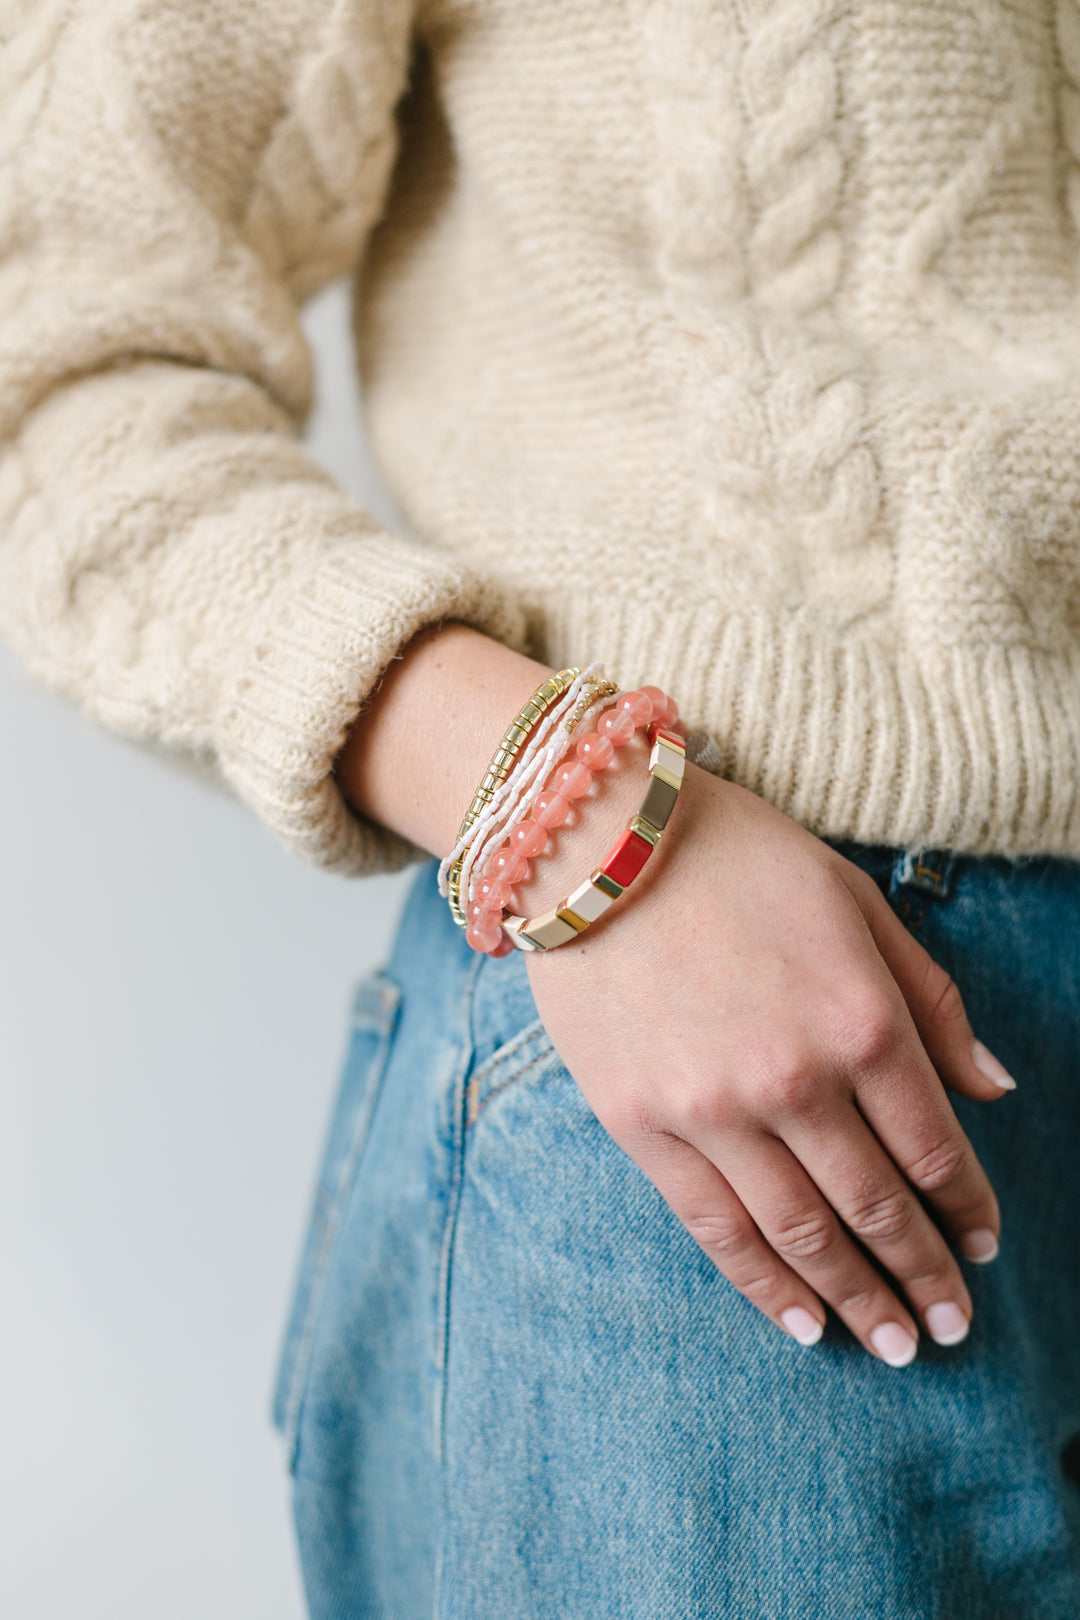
[[645, 829], [606, 885], [659, 801], [578, 924]]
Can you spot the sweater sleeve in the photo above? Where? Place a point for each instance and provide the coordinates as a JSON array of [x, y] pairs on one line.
[[175, 177]]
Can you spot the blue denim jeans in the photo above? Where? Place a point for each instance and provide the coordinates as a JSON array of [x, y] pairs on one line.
[[513, 1388]]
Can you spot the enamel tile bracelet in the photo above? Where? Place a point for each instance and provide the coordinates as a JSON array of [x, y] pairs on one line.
[[512, 812], [623, 862]]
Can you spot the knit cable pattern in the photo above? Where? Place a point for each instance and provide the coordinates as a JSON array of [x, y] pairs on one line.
[[1068, 39], [940, 221], [816, 405], [750, 257]]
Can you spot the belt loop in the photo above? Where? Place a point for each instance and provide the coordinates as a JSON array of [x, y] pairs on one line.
[[926, 869]]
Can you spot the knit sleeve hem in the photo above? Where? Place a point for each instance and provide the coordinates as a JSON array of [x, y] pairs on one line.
[[297, 688]]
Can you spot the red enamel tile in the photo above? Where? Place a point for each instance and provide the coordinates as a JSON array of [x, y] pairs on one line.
[[627, 858]]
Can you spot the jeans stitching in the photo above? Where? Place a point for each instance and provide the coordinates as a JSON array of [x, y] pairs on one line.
[[507, 1053], [453, 1201], [476, 1107]]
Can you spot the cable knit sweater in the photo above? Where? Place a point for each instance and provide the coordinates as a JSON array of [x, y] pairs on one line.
[[735, 343]]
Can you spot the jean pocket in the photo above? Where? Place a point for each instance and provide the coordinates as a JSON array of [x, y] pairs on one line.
[[528, 1052], [374, 1018]]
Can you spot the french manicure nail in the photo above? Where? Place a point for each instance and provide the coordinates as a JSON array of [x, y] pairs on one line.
[[946, 1323], [801, 1325], [986, 1063], [894, 1344], [980, 1245]]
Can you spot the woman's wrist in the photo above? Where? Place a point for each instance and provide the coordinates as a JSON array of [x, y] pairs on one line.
[[421, 743], [594, 823], [577, 848], [424, 739]]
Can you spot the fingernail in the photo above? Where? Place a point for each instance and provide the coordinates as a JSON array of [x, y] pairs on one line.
[[986, 1063], [894, 1344], [980, 1246], [946, 1323], [801, 1325]]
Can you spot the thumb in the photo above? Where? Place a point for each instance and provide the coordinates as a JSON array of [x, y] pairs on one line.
[[935, 1004]]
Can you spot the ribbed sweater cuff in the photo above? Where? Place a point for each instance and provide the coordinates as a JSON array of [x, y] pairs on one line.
[[296, 689]]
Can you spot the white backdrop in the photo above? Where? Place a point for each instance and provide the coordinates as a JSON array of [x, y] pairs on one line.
[[173, 999]]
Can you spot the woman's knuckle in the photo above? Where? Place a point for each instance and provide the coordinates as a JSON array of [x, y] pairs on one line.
[[928, 1279], [754, 1283], [806, 1236], [882, 1217], [699, 1110], [790, 1088], [722, 1236], [940, 1168], [872, 1033], [856, 1296]]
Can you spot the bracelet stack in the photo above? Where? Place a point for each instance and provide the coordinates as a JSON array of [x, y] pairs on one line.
[[513, 741], [515, 807], [623, 862], [534, 739]]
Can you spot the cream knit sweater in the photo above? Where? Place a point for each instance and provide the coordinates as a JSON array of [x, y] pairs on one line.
[[735, 343]]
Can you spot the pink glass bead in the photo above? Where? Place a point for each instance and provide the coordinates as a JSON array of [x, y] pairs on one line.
[[636, 705], [484, 936], [616, 726], [550, 810], [528, 838], [595, 751], [573, 780], [494, 892], [657, 698], [477, 911], [508, 864], [505, 945]]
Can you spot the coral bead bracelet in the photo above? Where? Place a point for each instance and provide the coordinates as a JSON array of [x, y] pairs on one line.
[[491, 925], [622, 864]]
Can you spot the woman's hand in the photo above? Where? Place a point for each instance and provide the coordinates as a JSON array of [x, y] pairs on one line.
[[752, 1023], [760, 1033]]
